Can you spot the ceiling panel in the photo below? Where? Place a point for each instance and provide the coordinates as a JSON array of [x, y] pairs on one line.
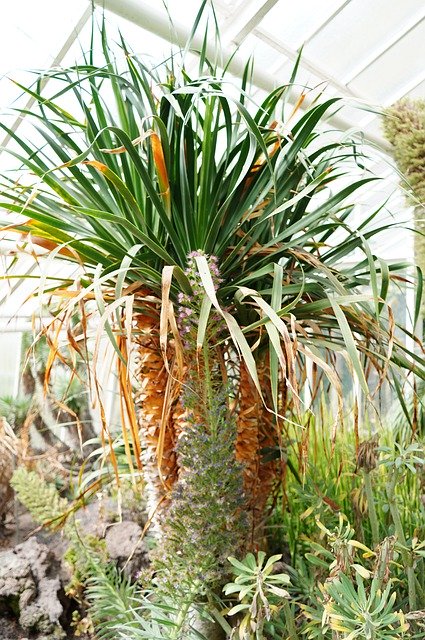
[[362, 29], [382, 79], [294, 22], [264, 55], [32, 33]]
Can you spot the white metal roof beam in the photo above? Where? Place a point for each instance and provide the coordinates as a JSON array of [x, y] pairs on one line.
[[305, 63], [241, 23], [326, 22], [148, 17]]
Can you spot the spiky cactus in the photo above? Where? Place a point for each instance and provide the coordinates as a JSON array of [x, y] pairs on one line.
[[206, 520]]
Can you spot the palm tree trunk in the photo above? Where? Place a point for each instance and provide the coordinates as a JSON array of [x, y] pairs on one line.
[[247, 442], [256, 433], [153, 402]]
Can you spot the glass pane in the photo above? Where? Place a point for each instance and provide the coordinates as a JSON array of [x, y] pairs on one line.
[[294, 22]]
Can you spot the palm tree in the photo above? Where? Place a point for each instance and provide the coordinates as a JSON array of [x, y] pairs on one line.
[[150, 166]]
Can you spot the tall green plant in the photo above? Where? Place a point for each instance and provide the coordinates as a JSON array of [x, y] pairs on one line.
[[153, 168]]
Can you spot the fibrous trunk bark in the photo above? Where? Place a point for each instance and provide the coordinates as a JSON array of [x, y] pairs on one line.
[[153, 402], [161, 418], [256, 439]]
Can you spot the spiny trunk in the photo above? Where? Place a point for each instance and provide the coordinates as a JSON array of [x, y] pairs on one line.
[[256, 432], [153, 401], [247, 442]]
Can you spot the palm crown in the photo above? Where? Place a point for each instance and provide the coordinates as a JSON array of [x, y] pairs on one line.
[[156, 165]]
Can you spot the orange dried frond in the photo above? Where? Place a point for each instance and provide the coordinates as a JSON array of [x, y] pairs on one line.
[[105, 431], [50, 245], [166, 428], [123, 149], [52, 355], [45, 241], [100, 166], [297, 105], [79, 502], [64, 407], [161, 169]]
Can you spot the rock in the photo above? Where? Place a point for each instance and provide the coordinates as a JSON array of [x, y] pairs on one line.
[[10, 630], [30, 587], [125, 545], [207, 628], [94, 517], [91, 520]]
